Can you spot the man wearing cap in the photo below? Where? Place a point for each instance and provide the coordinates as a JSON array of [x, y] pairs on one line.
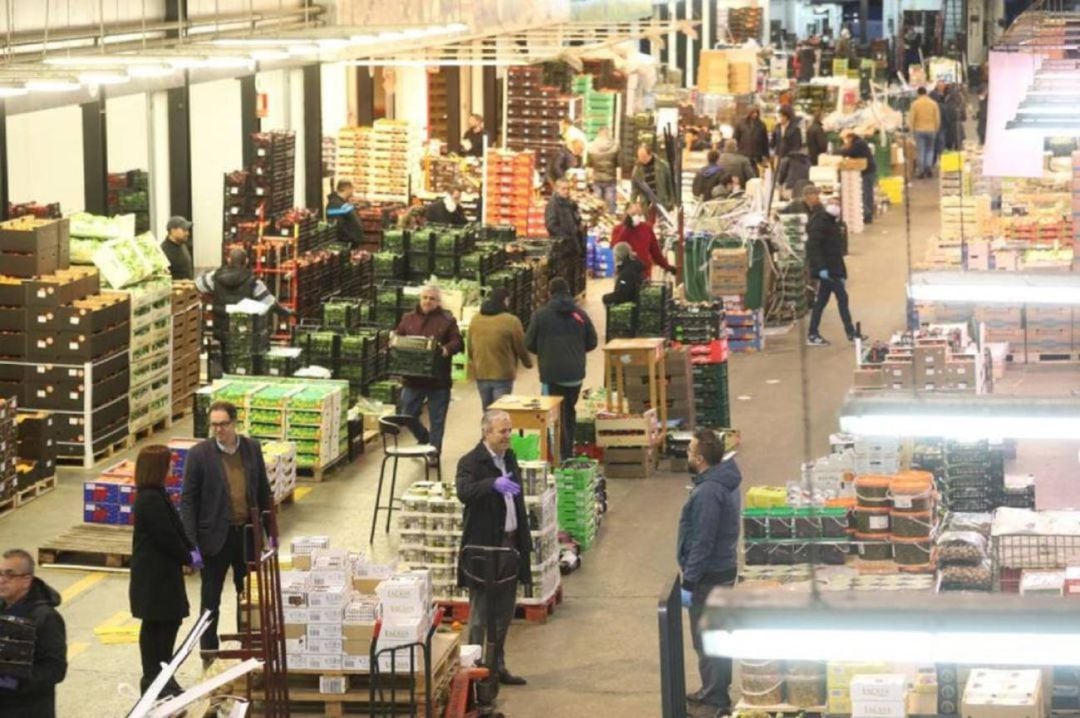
[[176, 248]]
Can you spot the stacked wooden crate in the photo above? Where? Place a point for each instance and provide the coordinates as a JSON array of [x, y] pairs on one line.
[[187, 339]]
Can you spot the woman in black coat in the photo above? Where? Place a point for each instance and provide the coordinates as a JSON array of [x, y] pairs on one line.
[[160, 550]]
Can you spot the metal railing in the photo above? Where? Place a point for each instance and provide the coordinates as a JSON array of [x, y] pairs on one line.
[[672, 669]]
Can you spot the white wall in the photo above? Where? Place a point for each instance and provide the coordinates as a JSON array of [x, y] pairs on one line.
[[127, 133], [45, 157], [411, 96], [335, 97], [295, 87], [215, 149], [160, 183]]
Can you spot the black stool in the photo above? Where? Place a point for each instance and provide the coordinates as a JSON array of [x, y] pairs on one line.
[[390, 429]]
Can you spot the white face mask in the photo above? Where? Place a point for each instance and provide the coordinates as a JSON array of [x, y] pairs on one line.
[[451, 205], [833, 209], [638, 219]]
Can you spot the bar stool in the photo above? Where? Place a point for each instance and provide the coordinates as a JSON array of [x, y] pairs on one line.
[[390, 429]]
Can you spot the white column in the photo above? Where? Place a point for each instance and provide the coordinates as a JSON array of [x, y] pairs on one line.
[[158, 139]]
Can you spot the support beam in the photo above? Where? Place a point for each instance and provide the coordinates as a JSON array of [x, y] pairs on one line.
[[313, 161], [5, 192], [249, 121], [95, 157], [365, 96], [179, 107], [175, 12], [492, 105], [453, 105]]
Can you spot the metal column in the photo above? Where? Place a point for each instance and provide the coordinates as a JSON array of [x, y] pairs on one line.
[[95, 157], [313, 160], [249, 121], [5, 192], [180, 150]]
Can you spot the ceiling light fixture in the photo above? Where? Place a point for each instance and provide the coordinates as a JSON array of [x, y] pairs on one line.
[[13, 91], [995, 287], [151, 70], [100, 77], [52, 85]]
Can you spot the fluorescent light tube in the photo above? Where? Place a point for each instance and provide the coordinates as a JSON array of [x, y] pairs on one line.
[[103, 78], [151, 70], [966, 428], [53, 85], [12, 91], [995, 288]]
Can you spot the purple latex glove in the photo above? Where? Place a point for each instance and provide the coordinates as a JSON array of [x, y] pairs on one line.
[[506, 486], [196, 560], [9, 682]]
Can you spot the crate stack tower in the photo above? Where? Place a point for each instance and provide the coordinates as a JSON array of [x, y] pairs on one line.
[[533, 113], [63, 343], [509, 189], [151, 353], [186, 343]]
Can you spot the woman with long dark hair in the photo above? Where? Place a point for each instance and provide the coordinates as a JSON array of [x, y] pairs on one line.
[[160, 550]]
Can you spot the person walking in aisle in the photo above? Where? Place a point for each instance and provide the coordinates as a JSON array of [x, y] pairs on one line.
[[496, 345], [924, 119], [654, 173], [567, 157], [429, 319], [736, 164], [25, 596], [489, 484], [177, 248], [562, 219], [472, 142], [752, 137], [603, 155], [629, 274], [707, 552], [825, 258], [224, 481], [446, 210], [638, 232], [857, 148], [938, 94], [159, 551], [560, 334], [708, 177], [817, 143], [787, 135], [339, 207]]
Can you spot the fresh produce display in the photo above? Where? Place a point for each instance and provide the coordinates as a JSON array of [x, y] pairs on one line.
[[128, 260]]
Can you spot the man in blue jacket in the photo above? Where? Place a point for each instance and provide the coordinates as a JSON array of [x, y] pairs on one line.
[[708, 557], [560, 335]]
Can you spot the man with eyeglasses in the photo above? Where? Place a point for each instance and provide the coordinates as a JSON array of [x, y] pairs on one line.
[[224, 480], [24, 595]]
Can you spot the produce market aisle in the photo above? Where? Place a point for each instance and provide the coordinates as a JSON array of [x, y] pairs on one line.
[[599, 650]]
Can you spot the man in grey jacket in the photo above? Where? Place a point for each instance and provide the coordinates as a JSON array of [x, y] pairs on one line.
[[603, 155], [708, 557], [224, 479]]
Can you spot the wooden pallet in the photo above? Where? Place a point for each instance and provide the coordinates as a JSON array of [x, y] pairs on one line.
[[891, 567], [305, 698], [107, 452], [320, 473], [147, 431], [531, 612], [8, 505], [89, 546], [38, 488]]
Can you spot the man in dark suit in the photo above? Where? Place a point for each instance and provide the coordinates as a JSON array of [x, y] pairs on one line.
[[224, 479], [489, 484]]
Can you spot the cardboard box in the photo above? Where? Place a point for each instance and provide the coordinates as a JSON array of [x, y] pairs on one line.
[[869, 378], [28, 235], [333, 685], [29, 265], [891, 687], [930, 354], [12, 319], [294, 631], [898, 375], [1003, 694], [878, 709]]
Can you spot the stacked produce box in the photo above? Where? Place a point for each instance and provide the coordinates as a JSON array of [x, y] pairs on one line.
[[534, 113], [273, 171], [186, 344], [971, 475], [577, 483], [36, 451], [851, 200], [636, 130], [630, 441], [312, 413], [129, 194], [792, 301], [63, 344], [151, 353], [280, 459], [88, 232], [599, 105], [9, 479], [379, 160], [430, 526], [745, 327], [109, 498], [712, 397], [509, 188]]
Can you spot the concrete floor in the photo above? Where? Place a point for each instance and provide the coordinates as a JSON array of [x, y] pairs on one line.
[[598, 653]]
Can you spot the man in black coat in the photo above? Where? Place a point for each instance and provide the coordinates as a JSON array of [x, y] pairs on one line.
[[753, 137], [489, 484], [562, 219], [340, 207], [825, 258], [23, 595], [446, 210], [224, 479], [177, 248], [560, 334], [857, 148], [817, 143]]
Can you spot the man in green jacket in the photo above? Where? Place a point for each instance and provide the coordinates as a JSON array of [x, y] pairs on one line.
[[655, 174], [495, 344]]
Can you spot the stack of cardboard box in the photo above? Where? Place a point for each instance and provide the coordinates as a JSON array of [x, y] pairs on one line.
[[629, 443], [930, 364], [36, 446], [1004, 694], [187, 342], [727, 272], [879, 696]]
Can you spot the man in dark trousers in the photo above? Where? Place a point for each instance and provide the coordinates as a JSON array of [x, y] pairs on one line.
[[23, 595], [857, 148], [560, 335], [224, 479], [817, 143], [429, 319], [708, 557], [562, 219], [825, 259], [177, 248], [339, 206], [752, 137], [489, 484], [446, 210]]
